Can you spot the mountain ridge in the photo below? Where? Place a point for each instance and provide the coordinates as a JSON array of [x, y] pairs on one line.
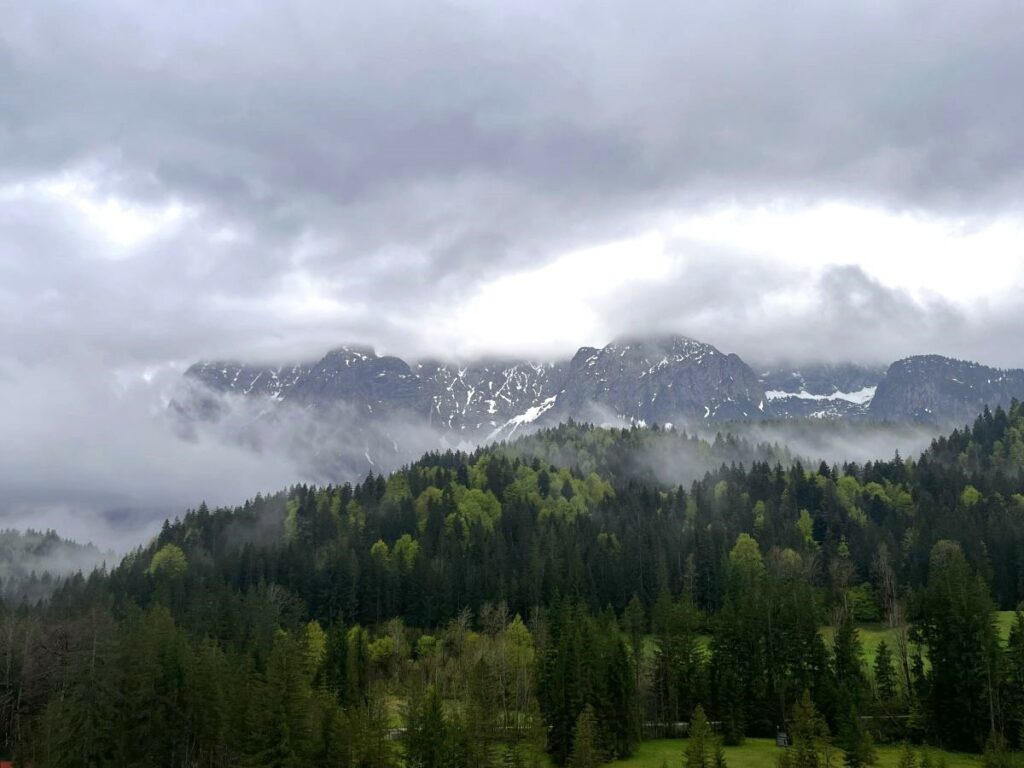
[[662, 379]]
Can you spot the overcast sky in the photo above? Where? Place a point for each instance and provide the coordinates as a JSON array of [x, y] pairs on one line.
[[267, 180]]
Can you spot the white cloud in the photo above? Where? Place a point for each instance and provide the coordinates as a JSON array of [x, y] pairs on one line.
[[962, 259], [77, 197], [269, 180], [557, 306]]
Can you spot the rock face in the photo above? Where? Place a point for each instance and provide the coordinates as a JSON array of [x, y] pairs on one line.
[[483, 397], [669, 379], [822, 391], [931, 388], [661, 380]]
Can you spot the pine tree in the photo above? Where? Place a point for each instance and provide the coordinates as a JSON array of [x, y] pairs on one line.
[[850, 689], [512, 757], [885, 677], [719, 761], [858, 746], [810, 734], [956, 623], [634, 623], [929, 760], [997, 754], [585, 752], [285, 733], [907, 758], [1013, 681], [701, 742], [426, 732]]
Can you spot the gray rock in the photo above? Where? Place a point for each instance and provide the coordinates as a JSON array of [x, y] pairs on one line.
[[935, 389]]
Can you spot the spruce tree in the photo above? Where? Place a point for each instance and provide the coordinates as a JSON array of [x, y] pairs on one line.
[[907, 758], [885, 676], [810, 734], [997, 754], [1013, 681], [858, 746], [426, 734], [701, 742], [955, 620], [719, 761], [585, 752]]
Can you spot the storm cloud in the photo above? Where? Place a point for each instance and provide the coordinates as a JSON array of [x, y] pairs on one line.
[[806, 181]]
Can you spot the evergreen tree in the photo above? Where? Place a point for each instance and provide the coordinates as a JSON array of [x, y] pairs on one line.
[[585, 752], [700, 746], [284, 734], [955, 621], [426, 732], [850, 684], [857, 744], [906, 758], [885, 677], [719, 760], [810, 734], [512, 756], [1013, 681], [997, 754], [634, 623]]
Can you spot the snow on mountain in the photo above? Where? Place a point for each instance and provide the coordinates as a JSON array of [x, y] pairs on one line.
[[860, 397], [932, 388], [666, 379], [633, 381], [821, 390]]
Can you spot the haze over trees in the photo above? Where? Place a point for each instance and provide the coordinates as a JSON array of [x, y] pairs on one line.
[[479, 609]]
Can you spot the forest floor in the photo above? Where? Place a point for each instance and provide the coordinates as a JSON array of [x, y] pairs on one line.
[[762, 753]]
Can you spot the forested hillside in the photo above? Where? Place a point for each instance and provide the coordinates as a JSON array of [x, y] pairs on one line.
[[559, 593], [33, 563]]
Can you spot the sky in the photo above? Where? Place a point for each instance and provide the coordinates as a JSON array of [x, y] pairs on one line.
[[805, 181]]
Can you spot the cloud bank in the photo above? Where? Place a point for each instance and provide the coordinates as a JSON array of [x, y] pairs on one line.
[[814, 181]]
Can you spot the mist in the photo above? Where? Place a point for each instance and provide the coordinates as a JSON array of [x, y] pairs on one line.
[[97, 459], [105, 459], [834, 442], [33, 562], [810, 442], [326, 443]]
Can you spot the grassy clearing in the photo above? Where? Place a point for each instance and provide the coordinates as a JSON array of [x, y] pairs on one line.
[[760, 753], [1004, 621], [872, 634]]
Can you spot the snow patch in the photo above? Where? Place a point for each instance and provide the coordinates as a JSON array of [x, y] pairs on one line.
[[860, 397], [528, 416]]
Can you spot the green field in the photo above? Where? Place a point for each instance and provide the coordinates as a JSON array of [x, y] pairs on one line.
[[760, 753], [872, 634]]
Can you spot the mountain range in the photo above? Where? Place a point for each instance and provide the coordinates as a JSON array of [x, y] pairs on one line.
[[664, 380]]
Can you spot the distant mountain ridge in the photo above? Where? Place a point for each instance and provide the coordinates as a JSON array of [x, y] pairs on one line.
[[649, 380], [662, 379], [822, 391], [932, 388]]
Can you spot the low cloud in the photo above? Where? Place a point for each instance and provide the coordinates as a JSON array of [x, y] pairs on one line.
[[99, 461], [266, 182]]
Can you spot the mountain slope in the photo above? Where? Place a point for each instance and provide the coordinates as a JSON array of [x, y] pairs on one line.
[[640, 380], [660, 380], [932, 388], [354, 410], [821, 391]]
